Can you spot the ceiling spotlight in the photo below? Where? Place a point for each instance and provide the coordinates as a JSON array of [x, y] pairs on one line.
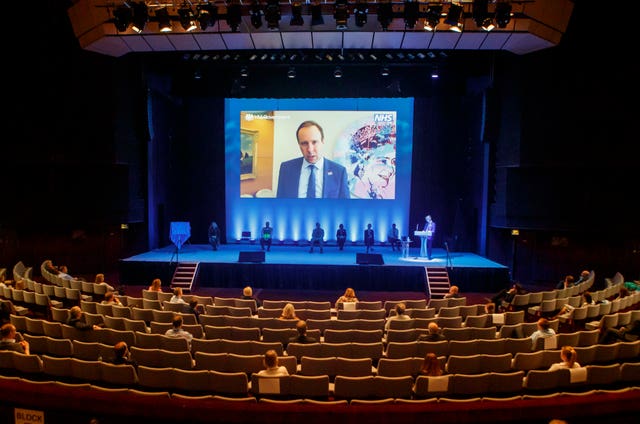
[[432, 17], [341, 14], [234, 15], [244, 72], [140, 16], [187, 18], [434, 73], [256, 14], [337, 73], [296, 13], [164, 22], [410, 13], [272, 14], [421, 55], [481, 15], [453, 18], [385, 14], [361, 9], [503, 14], [207, 15], [384, 72], [122, 17], [316, 14], [291, 73]]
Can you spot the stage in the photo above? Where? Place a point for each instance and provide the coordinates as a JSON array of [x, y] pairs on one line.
[[293, 267]]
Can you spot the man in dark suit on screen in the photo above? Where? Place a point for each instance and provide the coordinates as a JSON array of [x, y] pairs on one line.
[[312, 175]]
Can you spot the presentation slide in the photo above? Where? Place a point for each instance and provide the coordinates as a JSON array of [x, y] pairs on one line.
[[332, 161]]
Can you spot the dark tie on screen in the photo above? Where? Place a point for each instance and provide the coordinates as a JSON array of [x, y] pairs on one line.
[[311, 187]]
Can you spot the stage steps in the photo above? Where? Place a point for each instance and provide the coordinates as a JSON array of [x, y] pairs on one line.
[[437, 281], [185, 275]]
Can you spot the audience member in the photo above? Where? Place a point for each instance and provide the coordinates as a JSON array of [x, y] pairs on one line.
[[302, 337], [111, 299], [122, 355], [247, 294], [612, 335], [156, 285], [6, 309], [431, 365], [100, 280], [454, 292], [568, 355], [584, 276], [10, 339], [567, 310], [544, 330], [177, 296], [272, 368], [49, 267], [177, 331], [195, 309], [348, 296], [400, 315], [504, 297], [288, 312], [566, 283], [434, 334], [76, 319], [64, 273]]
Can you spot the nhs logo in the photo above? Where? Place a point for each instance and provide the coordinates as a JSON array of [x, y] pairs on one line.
[[383, 117]]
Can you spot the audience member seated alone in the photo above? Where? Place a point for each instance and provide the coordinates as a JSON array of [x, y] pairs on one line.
[[400, 315], [247, 294], [288, 312], [76, 319], [612, 335], [434, 334], [302, 337], [567, 310], [111, 299], [544, 330], [11, 340], [272, 369], [348, 296], [177, 331], [568, 356], [100, 280], [566, 283], [177, 296], [431, 365], [156, 285], [121, 355], [195, 309], [454, 292]]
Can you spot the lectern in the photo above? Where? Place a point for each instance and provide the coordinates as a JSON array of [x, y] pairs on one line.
[[423, 241], [179, 233]]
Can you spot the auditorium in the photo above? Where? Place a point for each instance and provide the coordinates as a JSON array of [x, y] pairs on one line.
[[445, 179]]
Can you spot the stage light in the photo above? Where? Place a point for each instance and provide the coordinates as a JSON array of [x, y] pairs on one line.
[[453, 18], [207, 15], [187, 18], [256, 14], [410, 13], [244, 72], [361, 11], [481, 15], [296, 13], [503, 14], [316, 14], [384, 72], [164, 22], [140, 16], [341, 14], [272, 14], [337, 73], [432, 17], [291, 73], [122, 17], [434, 73], [234, 15], [385, 14]]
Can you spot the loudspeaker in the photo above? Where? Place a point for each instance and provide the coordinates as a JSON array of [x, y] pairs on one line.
[[369, 259], [250, 256]]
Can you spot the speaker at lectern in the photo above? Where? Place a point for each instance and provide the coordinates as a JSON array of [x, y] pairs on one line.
[[179, 233]]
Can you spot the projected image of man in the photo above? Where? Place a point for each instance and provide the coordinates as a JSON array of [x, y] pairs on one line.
[[312, 175]]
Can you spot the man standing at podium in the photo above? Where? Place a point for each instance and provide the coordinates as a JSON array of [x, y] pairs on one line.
[[430, 228]]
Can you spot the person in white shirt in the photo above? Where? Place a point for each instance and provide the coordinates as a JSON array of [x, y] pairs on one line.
[[177, 331], [272, 369], [544, 330], [568, 355], [400, 315], [177, 296]]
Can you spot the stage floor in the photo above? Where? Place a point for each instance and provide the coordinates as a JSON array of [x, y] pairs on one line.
[[294, 268], [296, 255]]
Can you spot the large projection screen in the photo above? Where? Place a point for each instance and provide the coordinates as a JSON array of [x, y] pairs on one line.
[[364, 177]]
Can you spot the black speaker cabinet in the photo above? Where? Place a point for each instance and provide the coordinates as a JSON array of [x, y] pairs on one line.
[[251, 256], [369, 259]]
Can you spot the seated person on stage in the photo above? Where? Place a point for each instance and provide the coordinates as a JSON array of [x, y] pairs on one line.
[[214, 235], [317, 237], [265, 236], [394, 237], [341, 236]]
